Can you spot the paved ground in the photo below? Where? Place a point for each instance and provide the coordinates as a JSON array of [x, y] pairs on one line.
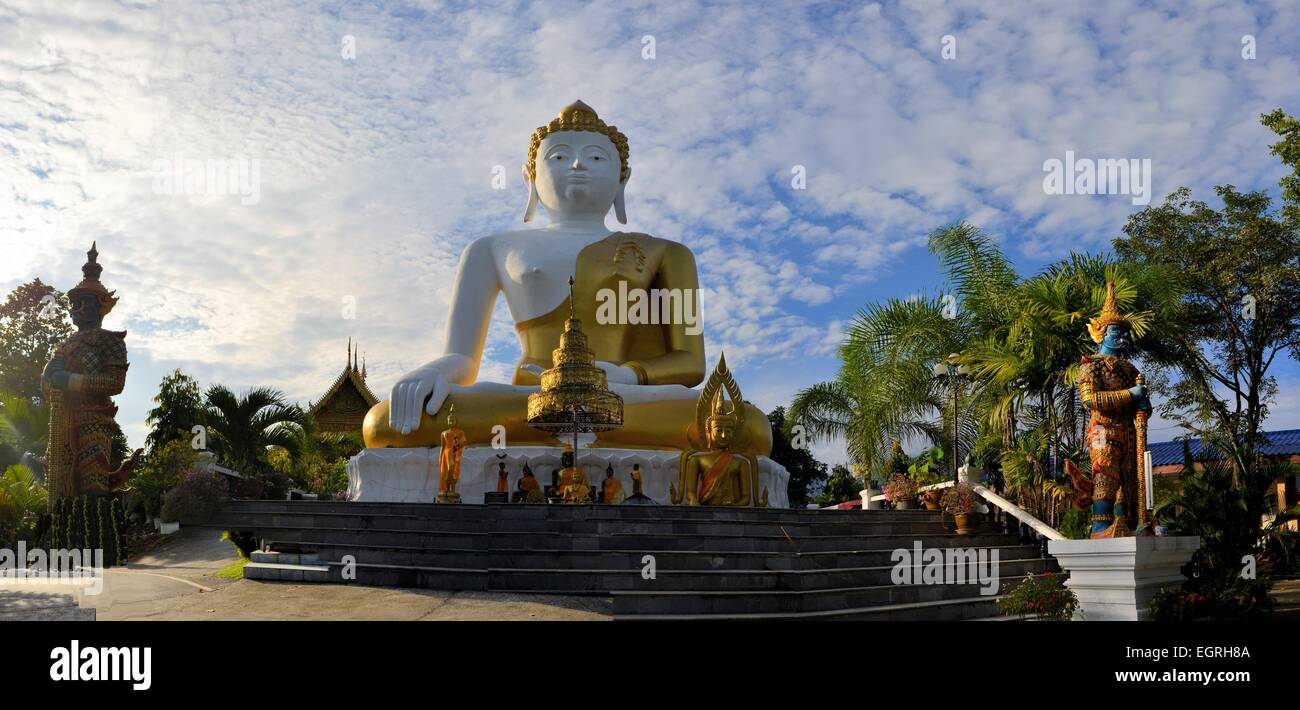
[[177, 581]]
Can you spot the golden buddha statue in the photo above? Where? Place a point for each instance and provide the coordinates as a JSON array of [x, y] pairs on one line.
[[724, 471], [574, 487], [612, 488], [577, 169], [453, 447]]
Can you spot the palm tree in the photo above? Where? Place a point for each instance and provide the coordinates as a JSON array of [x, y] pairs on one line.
[[24, 430], [1022, 338], [885, 389], [244, 427]]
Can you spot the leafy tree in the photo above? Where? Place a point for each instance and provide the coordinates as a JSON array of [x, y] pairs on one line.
[[840, 487], [805, 471], [22, 501], [33, 321], [1225, 509], [1237, 270], [243, 427], [179, 407], [24, 430], [162, 470]]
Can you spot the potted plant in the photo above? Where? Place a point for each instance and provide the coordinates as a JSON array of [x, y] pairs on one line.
[[960, 502], [931, 498], [900, 490]]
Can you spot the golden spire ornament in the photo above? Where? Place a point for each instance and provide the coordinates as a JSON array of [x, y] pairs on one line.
[[1109, 315], [574, 395]]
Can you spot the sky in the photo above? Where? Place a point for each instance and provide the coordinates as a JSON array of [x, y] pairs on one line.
[[803, 151]]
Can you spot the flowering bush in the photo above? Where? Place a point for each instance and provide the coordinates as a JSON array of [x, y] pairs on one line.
[[900, 488], [1045, 597], [959, 500], [196, 497]]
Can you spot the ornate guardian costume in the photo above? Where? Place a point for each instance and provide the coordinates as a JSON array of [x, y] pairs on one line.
[[86, 371], [1112, 439], [82, 424]]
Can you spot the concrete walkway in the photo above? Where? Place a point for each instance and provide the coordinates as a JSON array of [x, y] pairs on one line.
[[178, 581]]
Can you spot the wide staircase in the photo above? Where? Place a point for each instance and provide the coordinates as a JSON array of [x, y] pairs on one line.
[[656, 562]]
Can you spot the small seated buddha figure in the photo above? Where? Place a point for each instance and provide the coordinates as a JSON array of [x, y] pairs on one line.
[[719, 472], [574, 487], [612, 488], [577, 169], [530, 490]]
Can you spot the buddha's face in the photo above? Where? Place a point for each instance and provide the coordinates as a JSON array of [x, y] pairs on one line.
[[577, 173], [721, 432]]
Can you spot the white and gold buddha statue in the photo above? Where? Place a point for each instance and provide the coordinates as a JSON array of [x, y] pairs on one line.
[[577, 170]]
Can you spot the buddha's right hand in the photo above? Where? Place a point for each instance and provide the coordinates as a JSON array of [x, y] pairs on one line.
[[410, 395]]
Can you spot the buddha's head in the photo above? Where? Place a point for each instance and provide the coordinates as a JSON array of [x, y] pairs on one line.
[[722, 423], [577, 167], [451, 417]]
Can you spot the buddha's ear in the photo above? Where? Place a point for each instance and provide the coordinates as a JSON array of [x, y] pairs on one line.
[[531, 210], [620, 207]]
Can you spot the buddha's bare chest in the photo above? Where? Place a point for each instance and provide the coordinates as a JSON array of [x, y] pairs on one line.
[[535, 269]]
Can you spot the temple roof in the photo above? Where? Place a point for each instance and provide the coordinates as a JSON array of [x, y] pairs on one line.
[[1284, 442], [349, 385]]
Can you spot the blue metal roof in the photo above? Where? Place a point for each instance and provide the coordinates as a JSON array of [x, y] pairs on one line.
[[1280, 443]]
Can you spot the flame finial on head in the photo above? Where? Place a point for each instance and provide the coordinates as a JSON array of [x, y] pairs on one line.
[[90, 284], [1109, 316]]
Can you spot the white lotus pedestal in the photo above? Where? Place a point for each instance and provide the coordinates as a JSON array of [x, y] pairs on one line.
[[1116, 578], [411, 475]]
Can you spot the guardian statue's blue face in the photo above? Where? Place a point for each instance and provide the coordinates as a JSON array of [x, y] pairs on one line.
[[1116, 341]]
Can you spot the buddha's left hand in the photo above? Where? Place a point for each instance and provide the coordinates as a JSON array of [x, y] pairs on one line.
[[617, 374]]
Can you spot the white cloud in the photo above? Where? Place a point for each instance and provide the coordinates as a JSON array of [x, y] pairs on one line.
[[377, 170]]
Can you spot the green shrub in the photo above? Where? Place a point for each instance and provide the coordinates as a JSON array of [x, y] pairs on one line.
[[22, 504], [1074, 524]]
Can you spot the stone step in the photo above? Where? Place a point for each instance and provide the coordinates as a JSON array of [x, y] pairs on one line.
[[944, 610], [270, 571], [623, 541], [64, 613], [285, 558], [864, 525], [795, 602], [22, 604], [569, 512], [613, 559], [585, 581]]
